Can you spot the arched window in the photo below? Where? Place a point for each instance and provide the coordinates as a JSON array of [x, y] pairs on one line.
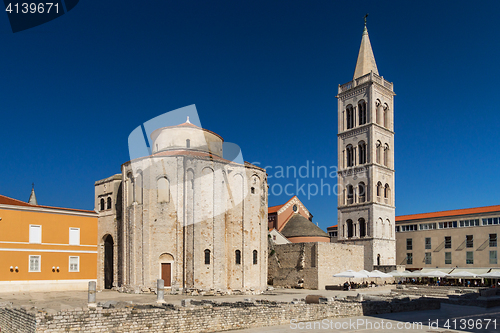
[[387, 191], [237, 254], [362, 112], [350, 195], [255, 257], [362, 152], [362, 192], [386, 115], [163, 188], [350, 155], [188, 143], [379, 189], [131, 188], [350, 228], [362, 227], [350, 117], [378, 110], [102, 204], [252, 190], [138, 187], [207, 257], [109, 203], [386, 155], [379, 151]]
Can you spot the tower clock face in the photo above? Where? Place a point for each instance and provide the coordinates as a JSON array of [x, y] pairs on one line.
[[294, 208]]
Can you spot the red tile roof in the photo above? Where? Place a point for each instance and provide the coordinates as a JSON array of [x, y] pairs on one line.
[[455, 212], [274, 209], [333, 226], [14, 202]]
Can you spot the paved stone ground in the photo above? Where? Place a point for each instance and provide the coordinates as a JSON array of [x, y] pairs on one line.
[[56, 301], [78, 299], [459, 317]]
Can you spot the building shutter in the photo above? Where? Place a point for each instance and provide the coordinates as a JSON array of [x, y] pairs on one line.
[[74, 236], [35, 234]]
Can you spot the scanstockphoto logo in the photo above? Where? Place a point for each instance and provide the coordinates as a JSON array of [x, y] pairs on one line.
[[28, 14], [154, 168], [307, 179]]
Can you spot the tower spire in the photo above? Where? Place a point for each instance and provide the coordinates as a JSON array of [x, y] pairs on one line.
[[366, 60], [32, 200]]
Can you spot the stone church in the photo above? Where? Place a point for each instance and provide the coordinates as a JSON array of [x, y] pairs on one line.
[[366, 208], [183, 214]]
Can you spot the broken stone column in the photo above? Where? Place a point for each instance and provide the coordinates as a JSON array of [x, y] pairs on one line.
[[160, 291], [186, 302], [92, 294]]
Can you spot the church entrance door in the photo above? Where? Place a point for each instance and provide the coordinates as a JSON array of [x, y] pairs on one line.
[[166, 274], [108, 262]]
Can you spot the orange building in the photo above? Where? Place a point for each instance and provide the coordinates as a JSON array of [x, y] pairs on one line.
[[46, 248], [293, 221]]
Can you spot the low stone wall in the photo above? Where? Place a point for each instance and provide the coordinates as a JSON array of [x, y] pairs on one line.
[[203, 316], [488, 292], [17, 320], [312, 265], [485, 298]]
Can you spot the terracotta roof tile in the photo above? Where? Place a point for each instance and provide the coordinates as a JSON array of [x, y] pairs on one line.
[[14, 202], [274, 209], [333, 226], [455, 212]]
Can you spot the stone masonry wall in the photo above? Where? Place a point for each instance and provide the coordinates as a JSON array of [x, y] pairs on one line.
[[17, 320], [292, 264], [204, 316], [313, 264], [334, 258]]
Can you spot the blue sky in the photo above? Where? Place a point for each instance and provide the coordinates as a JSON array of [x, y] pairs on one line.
[[264, 75]]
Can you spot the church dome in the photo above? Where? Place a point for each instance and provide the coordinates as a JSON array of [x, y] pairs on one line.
[[304, 230], [186, 136]]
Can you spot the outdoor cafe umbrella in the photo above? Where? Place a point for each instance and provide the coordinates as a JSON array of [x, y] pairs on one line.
[[461, 275], [490, 275], [434, 274], [396, 273], [351, 274], [378, 274], [412, 274], [365, 272], [495, 275]]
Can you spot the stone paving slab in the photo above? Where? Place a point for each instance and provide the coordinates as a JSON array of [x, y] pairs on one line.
[[455, 315], [78, 299]]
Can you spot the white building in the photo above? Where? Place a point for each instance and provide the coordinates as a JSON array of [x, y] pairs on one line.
[[366, 211], [186, 215]]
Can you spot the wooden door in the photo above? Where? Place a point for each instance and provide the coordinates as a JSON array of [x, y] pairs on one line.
[[166, 274]]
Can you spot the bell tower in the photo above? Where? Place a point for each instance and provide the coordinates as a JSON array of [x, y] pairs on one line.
[[366, 206]]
